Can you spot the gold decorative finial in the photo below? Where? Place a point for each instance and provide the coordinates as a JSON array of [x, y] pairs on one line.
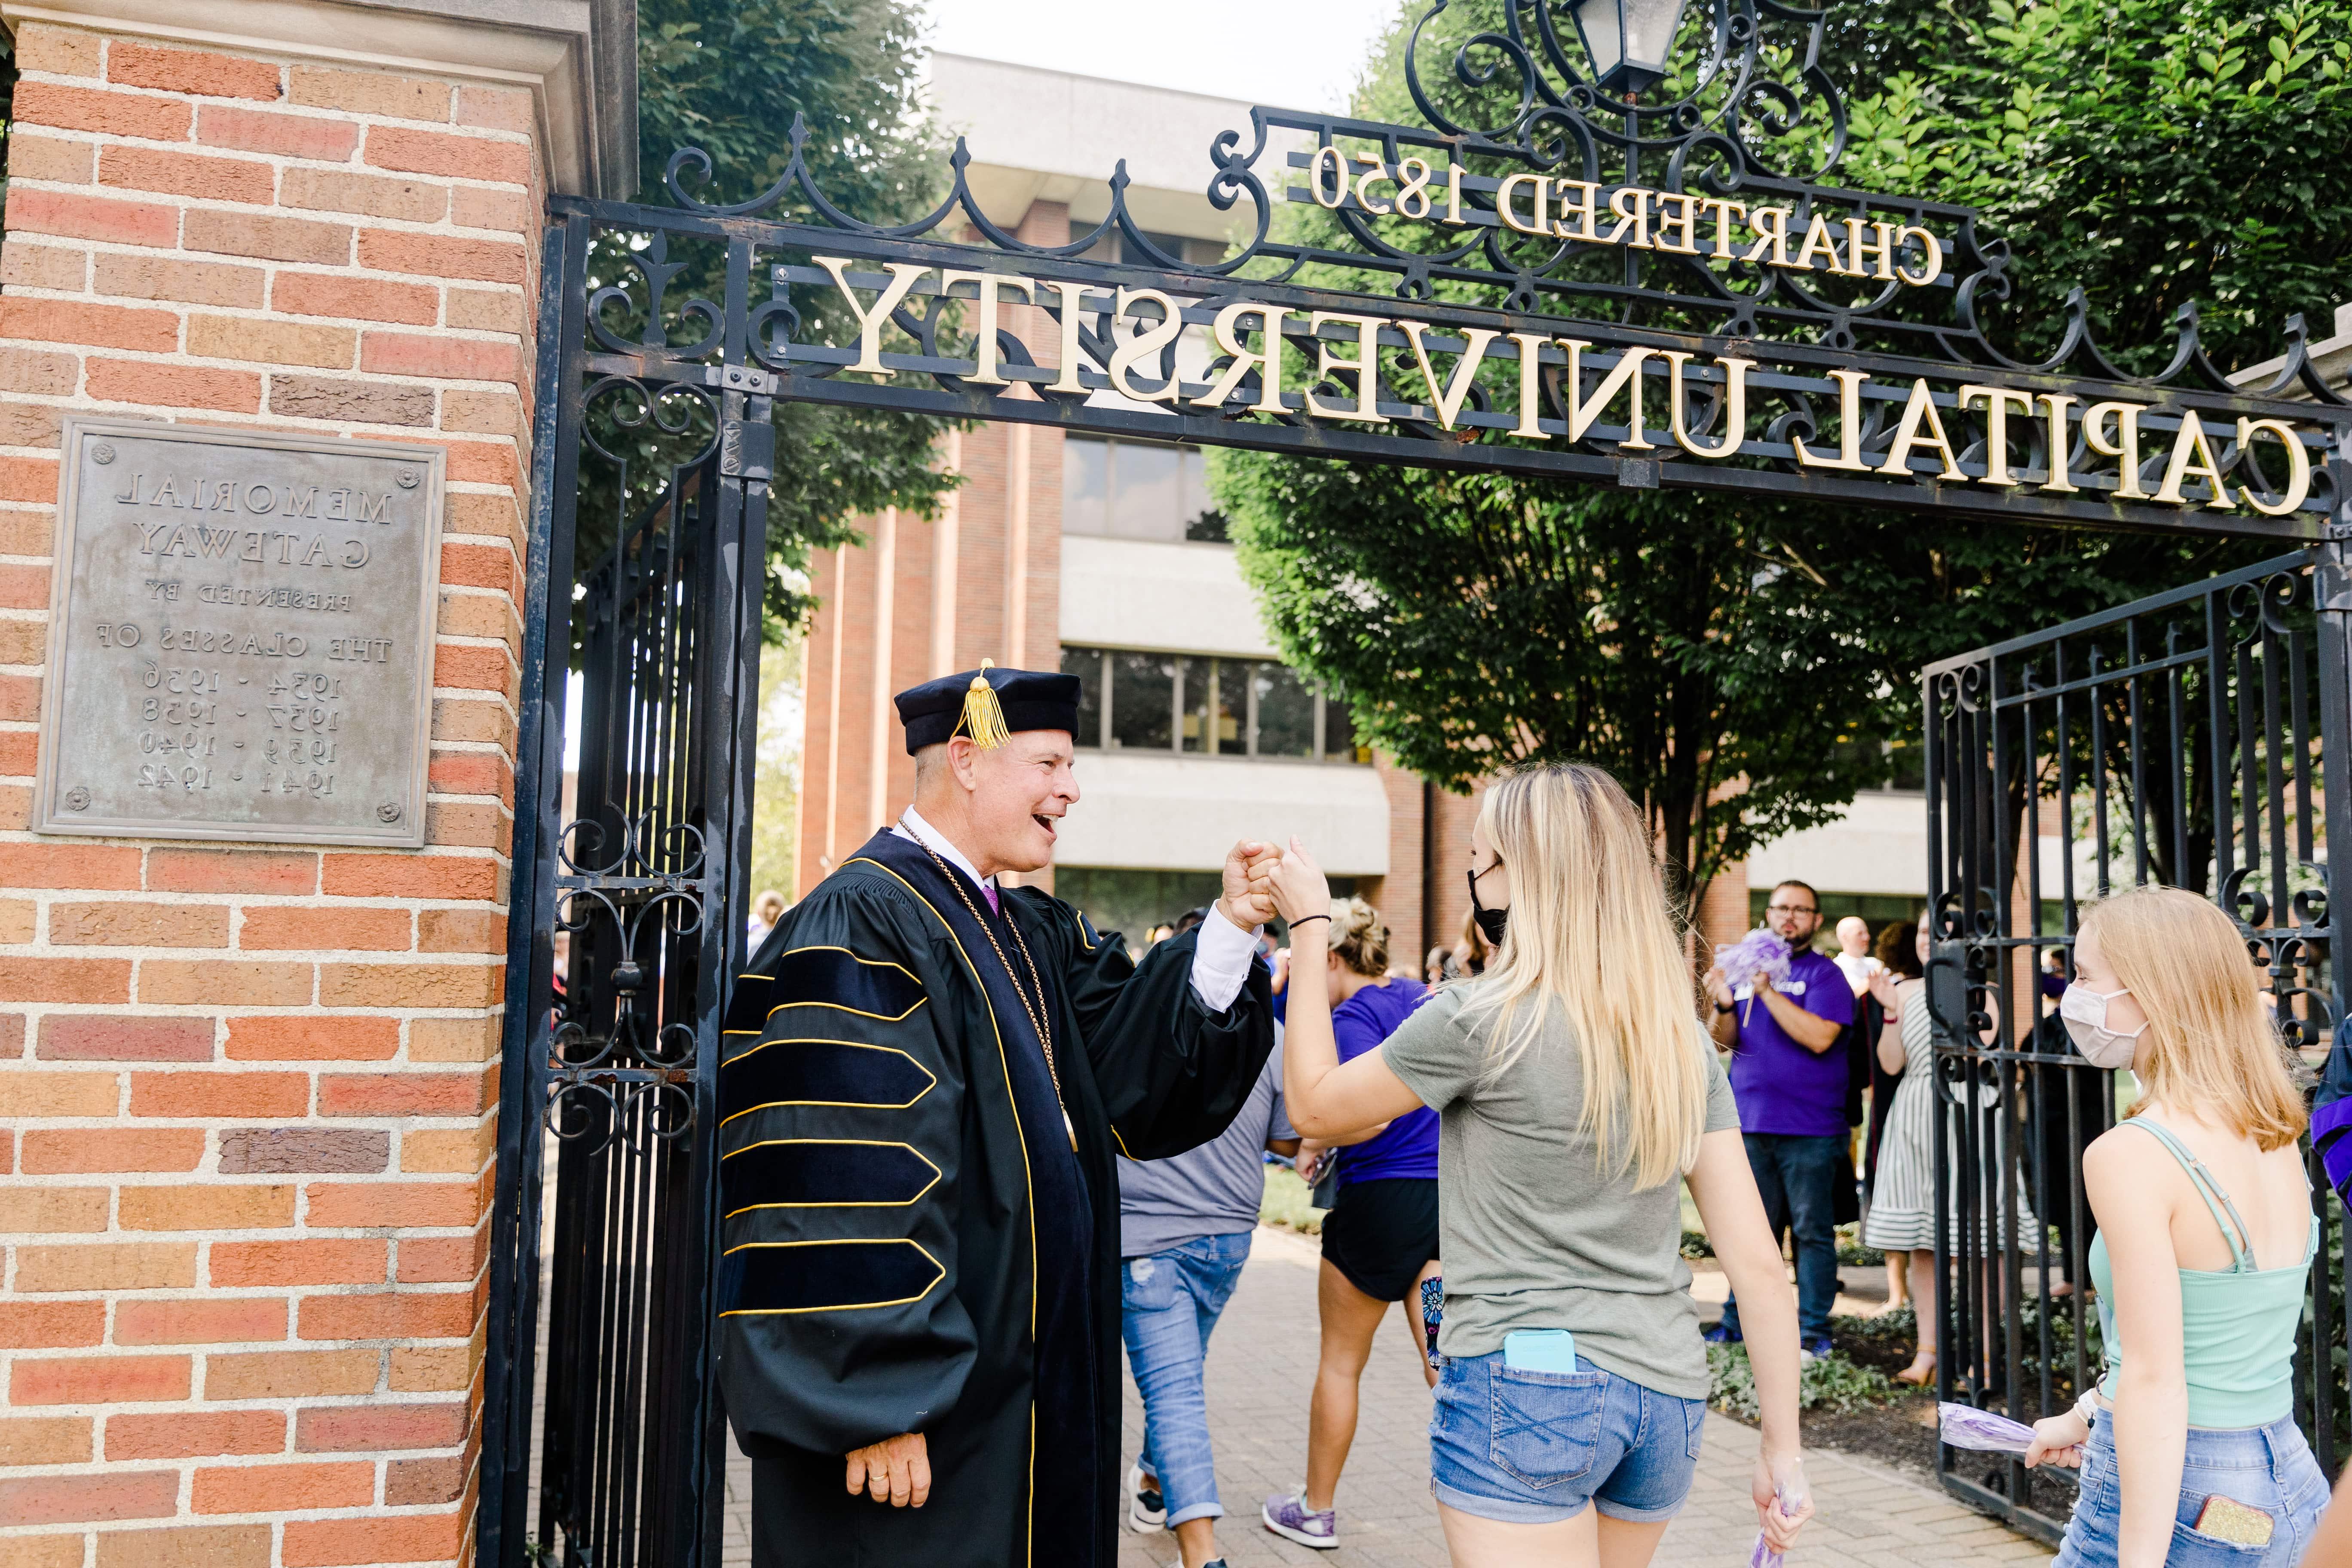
[[984, 715]]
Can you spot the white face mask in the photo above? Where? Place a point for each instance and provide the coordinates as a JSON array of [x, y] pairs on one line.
[[2086, 1017]]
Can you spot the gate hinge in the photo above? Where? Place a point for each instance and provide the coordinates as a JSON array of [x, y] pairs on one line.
[[2335, 587], [746, 449], [739, 378]]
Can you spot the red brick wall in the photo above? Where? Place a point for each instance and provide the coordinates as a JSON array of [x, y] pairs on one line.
[[246, 1094]]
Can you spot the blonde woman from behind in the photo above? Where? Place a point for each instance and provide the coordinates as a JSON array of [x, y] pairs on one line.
[[2188, 1448], [1574, 1086]]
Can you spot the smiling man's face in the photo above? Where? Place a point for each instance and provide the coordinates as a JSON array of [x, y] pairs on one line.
[[1019, 793]]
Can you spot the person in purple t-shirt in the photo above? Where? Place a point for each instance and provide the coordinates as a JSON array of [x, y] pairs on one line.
[[1379, 1241], [1789, 1080]]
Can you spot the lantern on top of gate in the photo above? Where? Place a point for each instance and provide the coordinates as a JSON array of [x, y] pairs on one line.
[[1628, 40]]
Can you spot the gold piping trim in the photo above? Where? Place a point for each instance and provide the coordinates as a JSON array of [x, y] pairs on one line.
[[860, 1143], [870, 963], [845, 1306], [852, 1011], [1028, 1177], [932, 1078]]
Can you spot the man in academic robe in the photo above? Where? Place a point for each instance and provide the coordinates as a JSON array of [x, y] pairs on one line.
[[928, 1080]]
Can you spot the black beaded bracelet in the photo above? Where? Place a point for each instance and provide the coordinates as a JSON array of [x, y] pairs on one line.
[[1303, 918]]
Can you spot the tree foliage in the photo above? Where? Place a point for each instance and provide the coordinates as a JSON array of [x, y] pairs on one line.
[[729, 78], [2151, 152]]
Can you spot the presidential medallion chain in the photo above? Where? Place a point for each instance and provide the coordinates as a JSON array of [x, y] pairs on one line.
[[1045, 1040]]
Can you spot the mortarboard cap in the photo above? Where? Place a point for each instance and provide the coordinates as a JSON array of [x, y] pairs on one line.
[[987, 704]]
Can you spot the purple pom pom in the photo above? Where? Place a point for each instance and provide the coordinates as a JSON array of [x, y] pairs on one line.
[[1759, 952]]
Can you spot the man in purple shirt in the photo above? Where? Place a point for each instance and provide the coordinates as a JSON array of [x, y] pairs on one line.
[[1789, 1081]]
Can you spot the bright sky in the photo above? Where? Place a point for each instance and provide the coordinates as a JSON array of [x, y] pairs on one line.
[[1296, 54]]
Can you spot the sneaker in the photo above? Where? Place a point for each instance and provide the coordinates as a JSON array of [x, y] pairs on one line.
[[1290, 1518], [1812, 1350], [1722, 1335], [1147, 1511]]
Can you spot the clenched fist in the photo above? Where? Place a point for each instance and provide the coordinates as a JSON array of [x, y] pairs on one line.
[[1248, 900]]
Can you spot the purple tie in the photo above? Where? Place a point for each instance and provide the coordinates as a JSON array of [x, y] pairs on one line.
[[988, 892]]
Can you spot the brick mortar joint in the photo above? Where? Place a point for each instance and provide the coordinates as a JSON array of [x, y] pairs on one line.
[[284, 104], [229, 152]]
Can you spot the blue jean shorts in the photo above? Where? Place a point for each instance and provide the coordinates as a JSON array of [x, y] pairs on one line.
[[1534, 1448], [2266, 1467]]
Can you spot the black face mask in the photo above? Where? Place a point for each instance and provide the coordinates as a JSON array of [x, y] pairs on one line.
[[1491, 922]]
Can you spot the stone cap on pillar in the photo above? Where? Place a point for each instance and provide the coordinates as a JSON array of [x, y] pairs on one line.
[[578, 59]]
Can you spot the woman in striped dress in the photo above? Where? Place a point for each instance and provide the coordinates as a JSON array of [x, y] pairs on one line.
[[1902, 1219]]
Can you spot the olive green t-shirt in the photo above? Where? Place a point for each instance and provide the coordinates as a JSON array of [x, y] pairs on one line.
[[1531, 1234]]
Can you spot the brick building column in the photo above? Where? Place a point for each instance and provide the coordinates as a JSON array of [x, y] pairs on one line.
[[247, 1094]]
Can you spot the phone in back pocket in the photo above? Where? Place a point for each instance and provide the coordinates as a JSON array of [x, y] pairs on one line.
[[2226, 1519], [1541, 1350]]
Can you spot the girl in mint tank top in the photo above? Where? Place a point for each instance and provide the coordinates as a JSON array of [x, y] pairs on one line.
[[2188, 1447]]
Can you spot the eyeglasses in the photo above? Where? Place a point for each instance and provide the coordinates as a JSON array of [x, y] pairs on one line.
[[1791, 910], [1476, 877]]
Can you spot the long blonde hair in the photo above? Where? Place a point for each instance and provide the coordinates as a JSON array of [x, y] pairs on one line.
[[1591, 934], [2212, 1046]]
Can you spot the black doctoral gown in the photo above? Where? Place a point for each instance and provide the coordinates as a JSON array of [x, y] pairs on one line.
[[910, 1242]]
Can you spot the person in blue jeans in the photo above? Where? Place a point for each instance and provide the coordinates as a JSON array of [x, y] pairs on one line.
[[1184, 1227], [1789, 1081], [2188, 1445]]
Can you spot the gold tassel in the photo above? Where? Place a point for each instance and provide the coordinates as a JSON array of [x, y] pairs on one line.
[[984, 715]]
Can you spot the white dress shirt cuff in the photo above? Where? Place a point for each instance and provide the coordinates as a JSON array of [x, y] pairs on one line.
[[1221, 960]]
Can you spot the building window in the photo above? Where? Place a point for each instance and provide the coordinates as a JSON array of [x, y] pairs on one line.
[[1138, 489], [1900, 765], [1197, 707]]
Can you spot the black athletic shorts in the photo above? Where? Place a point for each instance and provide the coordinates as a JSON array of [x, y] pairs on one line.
[[1381, 1233]]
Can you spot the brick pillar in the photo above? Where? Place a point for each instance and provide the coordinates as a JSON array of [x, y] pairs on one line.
[[248, 1091], [1399, 895], [1451, 817], [1721, 916]]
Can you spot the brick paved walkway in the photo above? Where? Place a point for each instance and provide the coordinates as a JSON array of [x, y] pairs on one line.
[[1262, 1364]]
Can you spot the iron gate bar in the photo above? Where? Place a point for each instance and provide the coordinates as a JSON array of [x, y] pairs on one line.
[[1996, 717]]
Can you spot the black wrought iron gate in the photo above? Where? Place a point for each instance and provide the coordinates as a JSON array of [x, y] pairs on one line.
[[666, 333], [2194, 739], [645, 579]]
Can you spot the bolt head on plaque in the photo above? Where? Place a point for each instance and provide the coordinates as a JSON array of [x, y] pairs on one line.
[[77, 799], [101, 454], [388, 812], [406, 478]]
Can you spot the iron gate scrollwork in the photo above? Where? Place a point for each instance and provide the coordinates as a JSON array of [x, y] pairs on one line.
[[2189, 739], [603, 1431]]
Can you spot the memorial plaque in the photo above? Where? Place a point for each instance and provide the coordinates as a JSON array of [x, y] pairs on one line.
[[240, 636]]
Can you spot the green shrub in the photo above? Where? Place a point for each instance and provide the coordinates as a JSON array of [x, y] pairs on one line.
[[1898, 1325], [1290, 1202], [1831, 1383]]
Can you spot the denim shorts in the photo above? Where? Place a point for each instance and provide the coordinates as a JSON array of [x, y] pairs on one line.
[[2268, 1467], [1533, 1448]]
